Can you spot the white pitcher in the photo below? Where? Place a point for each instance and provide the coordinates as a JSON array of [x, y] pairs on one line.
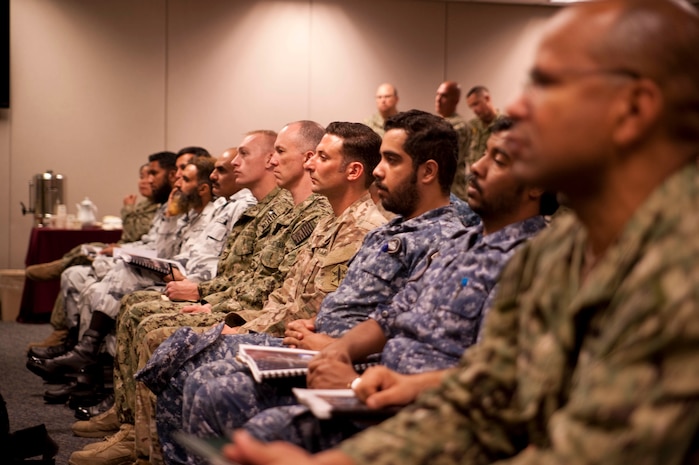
[[86, 212]]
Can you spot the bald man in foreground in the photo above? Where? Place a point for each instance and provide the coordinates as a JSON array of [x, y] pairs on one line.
[[590, 353]]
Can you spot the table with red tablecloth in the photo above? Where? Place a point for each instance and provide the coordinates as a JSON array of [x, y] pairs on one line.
[[45, 245]]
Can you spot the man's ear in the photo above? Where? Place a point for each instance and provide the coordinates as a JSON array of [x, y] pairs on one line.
[[428, 172], [354, 171], [171, 177], [268, 159], [636, 112]]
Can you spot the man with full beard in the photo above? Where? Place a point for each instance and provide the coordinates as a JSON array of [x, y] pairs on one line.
[[413, 179]]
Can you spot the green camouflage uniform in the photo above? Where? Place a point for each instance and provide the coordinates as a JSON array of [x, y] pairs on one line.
[[376, 122], [479, 134], [600, 370], [136, 220], [319, 269], [462, 129], [264, 272], [248, 236]]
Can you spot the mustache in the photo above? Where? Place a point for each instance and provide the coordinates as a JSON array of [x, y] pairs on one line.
[[379, 185], [471, 179]]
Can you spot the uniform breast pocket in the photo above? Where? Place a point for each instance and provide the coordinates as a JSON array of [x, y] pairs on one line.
[[218, 232], [334, 267], [272, 256]]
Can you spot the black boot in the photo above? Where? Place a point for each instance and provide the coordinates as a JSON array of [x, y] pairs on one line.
[[83, 355], [56, 351]]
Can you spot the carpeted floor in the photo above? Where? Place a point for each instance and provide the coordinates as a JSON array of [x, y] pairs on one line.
[[23, 391]]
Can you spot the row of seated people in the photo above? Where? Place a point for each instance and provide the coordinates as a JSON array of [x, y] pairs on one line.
[[587, 353], [337, 165]]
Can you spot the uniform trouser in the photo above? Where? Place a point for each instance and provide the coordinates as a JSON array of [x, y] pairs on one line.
[[166, 374], [141, 314]]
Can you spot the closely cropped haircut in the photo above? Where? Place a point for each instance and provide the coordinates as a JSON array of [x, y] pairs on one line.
[[268, 135], [430, 137], [194, 150], [310, 134], [503, 124], [658, 40], [478, 90], [166, 160], [205, 166], [359, 143]]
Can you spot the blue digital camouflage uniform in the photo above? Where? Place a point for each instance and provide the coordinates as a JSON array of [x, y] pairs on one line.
[[383, 264], [574, 369], [428, 325]]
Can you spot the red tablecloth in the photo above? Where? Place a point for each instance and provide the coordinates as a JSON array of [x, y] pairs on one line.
[[45, 245]]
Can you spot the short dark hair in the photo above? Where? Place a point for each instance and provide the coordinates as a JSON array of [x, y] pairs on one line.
[[430, 137], [478, 90], [359, 143], [504, 123], [194, 150], [166, 160]]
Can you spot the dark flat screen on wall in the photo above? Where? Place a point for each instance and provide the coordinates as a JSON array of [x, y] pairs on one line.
[[4, 53]]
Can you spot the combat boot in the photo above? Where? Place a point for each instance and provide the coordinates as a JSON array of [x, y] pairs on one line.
[[98, 426], [83, 355], [45, 271], [52, 351], [115, 450]]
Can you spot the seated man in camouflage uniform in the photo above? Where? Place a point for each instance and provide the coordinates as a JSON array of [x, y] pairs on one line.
[[271, 256], [164, 169], [160, 177], [589, 354], [417, 188], [196, 240], [427, 325]]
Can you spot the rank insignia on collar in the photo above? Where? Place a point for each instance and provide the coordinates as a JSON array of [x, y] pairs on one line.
[[393, 246]]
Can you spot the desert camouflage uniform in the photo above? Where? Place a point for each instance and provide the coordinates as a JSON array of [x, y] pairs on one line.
[[381, 267], [376, 123], [462, 129], [479, 134], [427, 325], [574, 369]]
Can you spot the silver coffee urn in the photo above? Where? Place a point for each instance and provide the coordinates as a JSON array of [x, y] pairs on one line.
[[45, 193]]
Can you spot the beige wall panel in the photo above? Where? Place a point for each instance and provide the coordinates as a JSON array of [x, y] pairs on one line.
[[492, 45], [87, 99], [358, 45], [5, 204], [234, 67]]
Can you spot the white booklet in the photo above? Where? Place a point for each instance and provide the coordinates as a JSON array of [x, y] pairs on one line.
[[146, 258], [280, 362], [329, 403], [275, 362]]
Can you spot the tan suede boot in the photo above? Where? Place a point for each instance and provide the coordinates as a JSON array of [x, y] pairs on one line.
[[115, 450], [98, 426], [45, 271]]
